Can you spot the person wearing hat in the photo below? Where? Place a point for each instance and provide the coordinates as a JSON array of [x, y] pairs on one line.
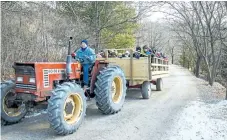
[[146, 50], [137, 54], [127, 54], [86, 57]]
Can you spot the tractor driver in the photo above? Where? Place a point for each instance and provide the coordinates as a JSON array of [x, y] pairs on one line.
[[87, 57]]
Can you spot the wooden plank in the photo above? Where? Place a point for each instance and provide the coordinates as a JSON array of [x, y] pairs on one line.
[[159, 72], [131, 67], [163, 65], [159, 76], [149, 65], [158, 58], [139, 69]]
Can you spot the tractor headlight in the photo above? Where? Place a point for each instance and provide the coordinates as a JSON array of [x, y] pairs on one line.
[[19, 79], [32, 80]]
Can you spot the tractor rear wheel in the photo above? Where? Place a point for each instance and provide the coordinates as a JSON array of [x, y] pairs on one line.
[[146, 90], [66, 108], [110, 90], [11, 112], [159, 84]]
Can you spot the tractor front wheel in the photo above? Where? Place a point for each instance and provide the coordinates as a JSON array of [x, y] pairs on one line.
[[66, 108], [110, 90], [11, 111]]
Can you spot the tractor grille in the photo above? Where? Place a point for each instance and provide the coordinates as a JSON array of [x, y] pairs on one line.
[[25, 70], [25, 86]]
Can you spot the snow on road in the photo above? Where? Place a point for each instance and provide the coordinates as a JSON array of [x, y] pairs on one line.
[[201, 120], [204, 118]]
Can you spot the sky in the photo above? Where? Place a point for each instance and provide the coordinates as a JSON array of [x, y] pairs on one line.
[[155, 17]]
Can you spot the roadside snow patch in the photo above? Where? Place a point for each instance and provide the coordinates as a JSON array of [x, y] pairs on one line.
[[200, 120]]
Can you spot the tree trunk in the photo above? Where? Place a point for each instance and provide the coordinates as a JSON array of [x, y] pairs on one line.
[[96, 42], [212, 70], [226, 93], [226, 4], [210, 79], [183, 60], [172, 54], [97, 31], [197, 68], [172, 58], [188, 65]]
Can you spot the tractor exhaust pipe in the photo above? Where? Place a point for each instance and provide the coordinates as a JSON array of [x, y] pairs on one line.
[[68, 61]]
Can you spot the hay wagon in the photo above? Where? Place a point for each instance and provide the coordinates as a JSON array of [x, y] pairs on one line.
[[140, 73]]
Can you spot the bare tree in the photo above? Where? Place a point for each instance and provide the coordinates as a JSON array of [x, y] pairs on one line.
[[28, 33], [184, 25], [211, 21], [152, 34], [202, 21]]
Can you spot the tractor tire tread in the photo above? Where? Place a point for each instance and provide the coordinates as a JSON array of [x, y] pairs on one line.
[[54, 108], [101, 89], [6, 120]]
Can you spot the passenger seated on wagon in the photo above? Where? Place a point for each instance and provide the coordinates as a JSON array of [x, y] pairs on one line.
[[99, 55], [109, 53], [158, 54], [119, 55], [112, 54], [115, 53], [127, 54], [137, 54], [152, 51], [102, 53], [145, 50], [164, 57]]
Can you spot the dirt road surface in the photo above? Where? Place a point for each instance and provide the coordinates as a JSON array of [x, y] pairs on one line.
[[185, 110]]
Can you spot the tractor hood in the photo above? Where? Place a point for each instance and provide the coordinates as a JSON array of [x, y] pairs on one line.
[[44, 73]]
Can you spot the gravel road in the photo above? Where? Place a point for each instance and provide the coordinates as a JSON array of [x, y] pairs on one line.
[[186, 109]]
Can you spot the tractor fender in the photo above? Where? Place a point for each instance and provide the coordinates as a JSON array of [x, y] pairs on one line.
[[99, 65]]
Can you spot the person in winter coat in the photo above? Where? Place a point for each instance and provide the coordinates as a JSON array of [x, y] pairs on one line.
[[86, 57], [145, 50], [127, 54], [137, 54]]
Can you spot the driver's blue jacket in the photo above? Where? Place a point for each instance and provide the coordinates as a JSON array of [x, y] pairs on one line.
[[87, 55]]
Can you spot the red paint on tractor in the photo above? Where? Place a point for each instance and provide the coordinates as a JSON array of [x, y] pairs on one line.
[[99, 65], [54, 71]]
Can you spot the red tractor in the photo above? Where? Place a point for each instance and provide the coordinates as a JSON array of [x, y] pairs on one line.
[[60, 83]]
